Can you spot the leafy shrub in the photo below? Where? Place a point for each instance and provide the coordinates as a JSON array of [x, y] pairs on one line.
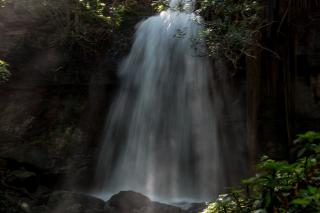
[[232, 27], [279, 186], [160, 5], [4, 72], [112, 12], [80, 31]]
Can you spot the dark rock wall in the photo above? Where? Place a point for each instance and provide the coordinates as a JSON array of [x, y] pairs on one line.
[[53, 109], [283, 83], [229, 88]]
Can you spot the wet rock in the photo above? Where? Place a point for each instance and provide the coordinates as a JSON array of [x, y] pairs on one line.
[[125, 201], [73, 202], [196, 207], [96, 211], [23, 178], [27, 154], [155, 207], [133, 202]]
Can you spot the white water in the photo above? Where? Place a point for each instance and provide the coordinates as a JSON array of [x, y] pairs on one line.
[[161, 132]]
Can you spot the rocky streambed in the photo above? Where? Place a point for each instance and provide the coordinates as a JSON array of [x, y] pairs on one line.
[[26, 188], [16, 199], [123, 202]]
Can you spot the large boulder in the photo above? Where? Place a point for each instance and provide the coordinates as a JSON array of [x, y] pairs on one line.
[[125, 201], [133, 202]]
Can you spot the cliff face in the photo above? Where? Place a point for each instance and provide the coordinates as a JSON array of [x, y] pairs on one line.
[[53, 109]]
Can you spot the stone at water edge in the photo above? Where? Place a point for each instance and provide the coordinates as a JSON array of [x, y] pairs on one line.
[[123, 202], [127, 200], [73, 202], [196, 207], [133, 202]]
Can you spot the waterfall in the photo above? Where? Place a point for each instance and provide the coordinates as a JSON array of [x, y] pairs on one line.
[[161, 132]]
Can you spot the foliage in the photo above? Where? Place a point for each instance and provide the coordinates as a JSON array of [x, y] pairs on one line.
[[232, 27], [160, 5], [4, 72], [79, 32], [96, 9], [2, 3], [112, 12], [279, 186]]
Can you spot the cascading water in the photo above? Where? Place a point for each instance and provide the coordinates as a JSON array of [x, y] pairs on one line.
[[161, 133]]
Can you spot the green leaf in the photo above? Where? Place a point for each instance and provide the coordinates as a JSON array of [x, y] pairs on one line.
[[301, 152], [268, 199], [301, 201], [4, 72]]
